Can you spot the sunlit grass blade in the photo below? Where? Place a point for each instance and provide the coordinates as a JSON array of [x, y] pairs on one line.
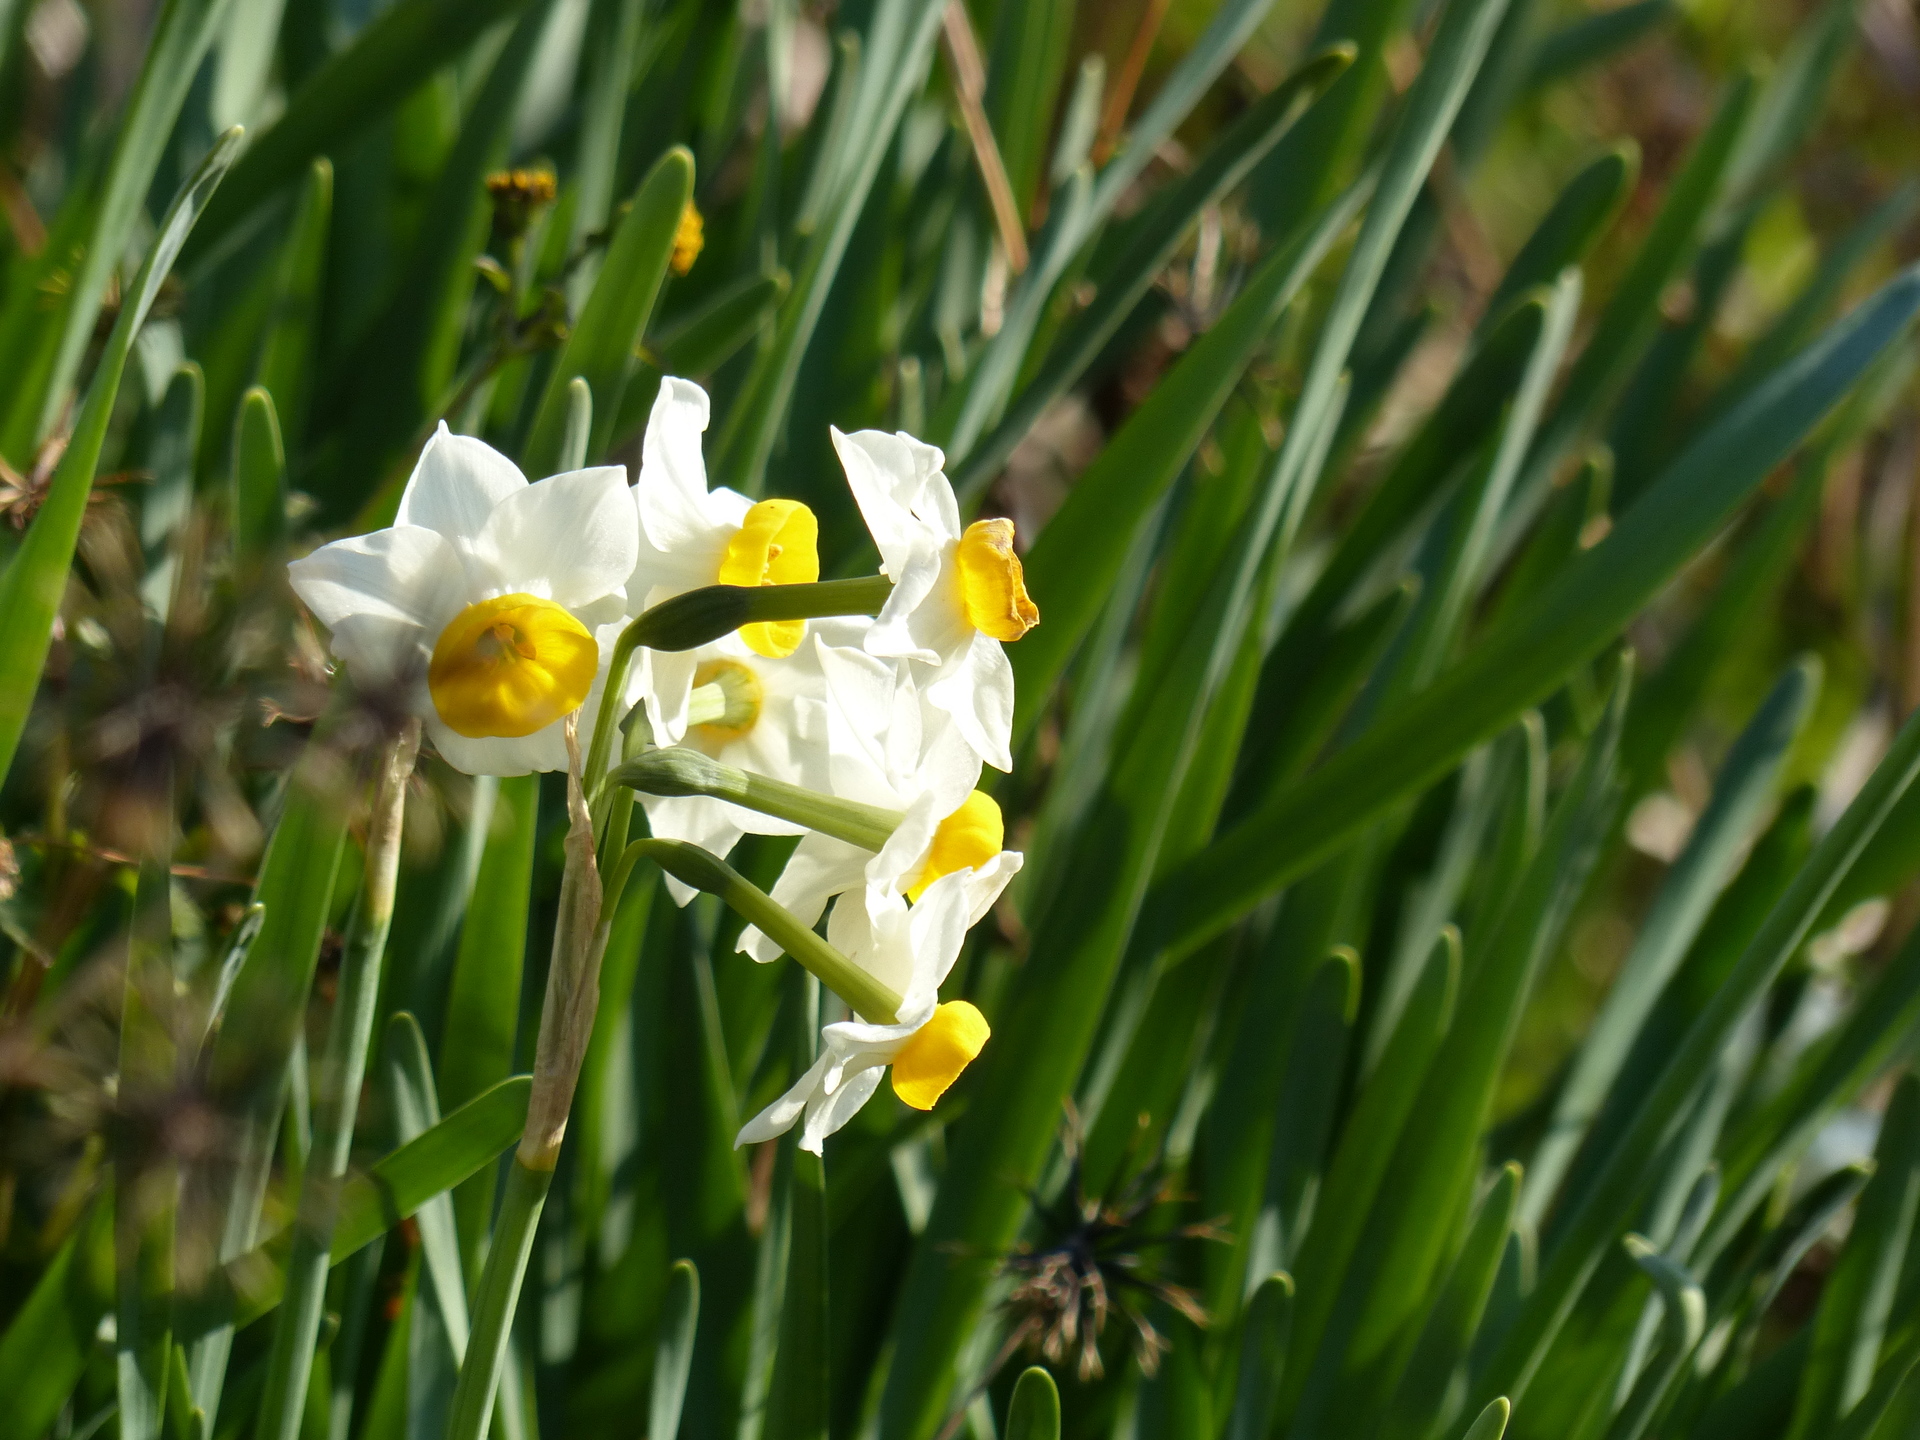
[[1523, 661], [1721, 839], [1625, 1178]]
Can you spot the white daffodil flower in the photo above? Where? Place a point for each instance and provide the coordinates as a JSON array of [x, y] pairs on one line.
[[887, 749], [691, 536], [928, 1046], [479, 604], [768, 715], [957, 593]]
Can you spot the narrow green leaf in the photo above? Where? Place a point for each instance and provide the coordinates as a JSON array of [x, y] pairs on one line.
[[1492, 1421], [1520, 663], [36, 577], [600, 348], [1374, 1132], [1576, 220], [259, 494], [169, 499], [1426, 1180], [483, 997], [416, 1110], [1432, 1369], [1623, 1180], [357, 87], [182, 32], [49, 1339], [1831, 1075], [1034, 1411], [673, 1356], [1632, 313], [900, 41], [290, 353], [1720, 841], [608, 51], [1856, 1303], [1583, 43], [1265, 1331], [1126, 279], [1076, 558]]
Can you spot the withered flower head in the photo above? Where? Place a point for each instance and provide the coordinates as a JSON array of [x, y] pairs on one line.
[[518, 196], [1096, 1264]]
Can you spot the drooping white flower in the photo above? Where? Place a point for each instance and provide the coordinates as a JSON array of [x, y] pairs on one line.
[[773, 722], [957, 593], [928, 1045], [691, 536], [887, 749], [478, 605]]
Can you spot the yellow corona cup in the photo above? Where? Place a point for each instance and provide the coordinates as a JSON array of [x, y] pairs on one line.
[[510, 666]]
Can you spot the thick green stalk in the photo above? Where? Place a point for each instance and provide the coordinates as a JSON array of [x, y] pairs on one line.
[[337, 1102], [499, 1293], [566, 1026], [677, 770]]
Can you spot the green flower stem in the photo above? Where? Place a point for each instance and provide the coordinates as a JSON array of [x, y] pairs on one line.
[[337, 1101], [566, 1024], [499, 1293], [693, 866], [702, 616], [678, 770]]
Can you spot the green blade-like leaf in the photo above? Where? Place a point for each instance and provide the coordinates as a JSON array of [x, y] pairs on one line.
[[1075, 559], [1623, 1181], [1451, 1324], [1523, 661], [1034, 1411], [1578, 217], [47, 1343], [1491, 1423], [290, 353], [1721, 839], [798, 1408], [259, 485], [1264, 1333], [358, 86], [182, 33], [1147, 252], [1585, 42], [1856, 1304], [900, 40], [673, 1357], [600, 349], [416, 1110], [36, 577]]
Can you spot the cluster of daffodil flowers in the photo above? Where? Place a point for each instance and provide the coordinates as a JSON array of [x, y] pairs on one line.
[[514, 620]]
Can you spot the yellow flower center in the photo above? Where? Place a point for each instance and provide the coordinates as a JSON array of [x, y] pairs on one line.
[[992, 587], [777, 544], [739, 687], [965, 840], [510, 666], [937, 1052]]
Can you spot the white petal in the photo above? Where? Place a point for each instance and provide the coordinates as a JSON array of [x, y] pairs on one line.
[[666, 679], [887, 953], [978, 694], [456, 484], [819, 868], [570, 538], [403, 573], [676, 510], [938, 928], [986, 884], [778, 1117], [828, 1114], [500, 754]]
